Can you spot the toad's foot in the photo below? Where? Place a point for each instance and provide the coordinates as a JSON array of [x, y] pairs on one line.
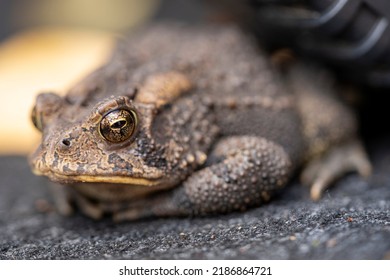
[[320, 173], [61, 198]]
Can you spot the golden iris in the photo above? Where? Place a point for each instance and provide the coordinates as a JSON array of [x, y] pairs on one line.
[[118, 126], [36, 119]]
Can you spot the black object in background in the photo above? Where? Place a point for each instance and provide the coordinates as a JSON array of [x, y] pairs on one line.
[[351, 35]]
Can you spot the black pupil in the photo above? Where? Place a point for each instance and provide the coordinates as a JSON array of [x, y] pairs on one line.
[[118, 124]]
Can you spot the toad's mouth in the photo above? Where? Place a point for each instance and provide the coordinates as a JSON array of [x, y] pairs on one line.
[[71, 179]]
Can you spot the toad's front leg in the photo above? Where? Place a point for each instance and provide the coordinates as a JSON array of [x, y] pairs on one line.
[[243, 172]]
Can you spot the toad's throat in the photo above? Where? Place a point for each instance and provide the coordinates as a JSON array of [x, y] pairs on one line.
[[63, 178]]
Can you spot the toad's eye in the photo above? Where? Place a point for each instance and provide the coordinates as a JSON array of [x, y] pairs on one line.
[[36, 119], [118, 126]]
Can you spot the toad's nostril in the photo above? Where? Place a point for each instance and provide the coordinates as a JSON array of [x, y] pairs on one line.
[[66, 142], [65, 145]]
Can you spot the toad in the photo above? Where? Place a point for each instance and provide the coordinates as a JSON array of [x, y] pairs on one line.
[[187, 121]]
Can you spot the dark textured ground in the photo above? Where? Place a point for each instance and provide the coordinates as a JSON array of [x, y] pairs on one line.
[[351, 222]]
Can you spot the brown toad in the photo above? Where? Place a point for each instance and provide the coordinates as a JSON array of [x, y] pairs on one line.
[[191, 121]]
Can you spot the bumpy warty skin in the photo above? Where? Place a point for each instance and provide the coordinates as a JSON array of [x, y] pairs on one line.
[[212, 119]]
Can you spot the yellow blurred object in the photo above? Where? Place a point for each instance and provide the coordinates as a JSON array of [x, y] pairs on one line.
[[112, 15], [42, 60]]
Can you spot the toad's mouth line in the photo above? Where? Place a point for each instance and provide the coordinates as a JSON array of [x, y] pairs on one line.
[[63, 178]]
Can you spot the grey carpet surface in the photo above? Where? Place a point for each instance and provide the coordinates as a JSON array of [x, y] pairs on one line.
[[352, 221]]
